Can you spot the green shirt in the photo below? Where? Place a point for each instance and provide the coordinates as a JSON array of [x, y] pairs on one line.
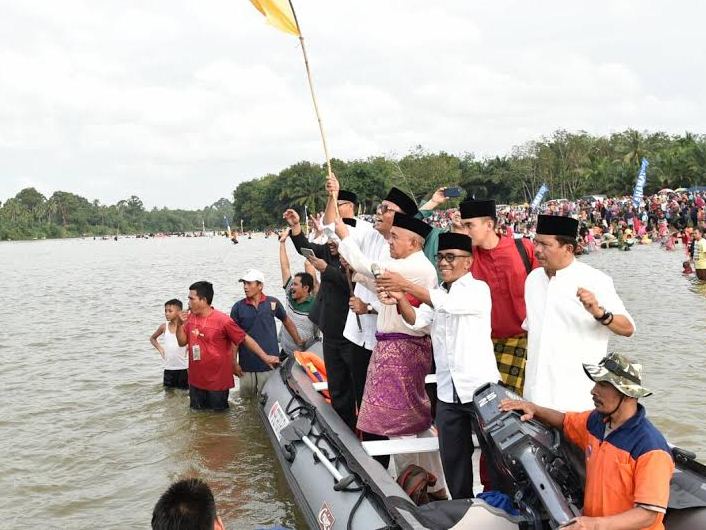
[[431, 242], [299, 313]]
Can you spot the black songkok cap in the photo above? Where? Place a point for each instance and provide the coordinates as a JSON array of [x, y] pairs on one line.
[[471, 209], [349, 196], [454, 241], [350, 221], [402, 200], [412, 224], [557, 225]]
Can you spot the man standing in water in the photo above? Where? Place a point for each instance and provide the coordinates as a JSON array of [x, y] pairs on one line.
[[210, 336], [256, 315], [699, 254], [572, 309]]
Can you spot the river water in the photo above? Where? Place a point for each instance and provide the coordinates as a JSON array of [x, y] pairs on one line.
[[89, 438]]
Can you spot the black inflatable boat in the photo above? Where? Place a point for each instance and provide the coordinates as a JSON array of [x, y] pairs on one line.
[[338, 485]]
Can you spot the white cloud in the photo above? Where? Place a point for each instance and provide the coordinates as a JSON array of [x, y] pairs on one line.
[[177, 102]]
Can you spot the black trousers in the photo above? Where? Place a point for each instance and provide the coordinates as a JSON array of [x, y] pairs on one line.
[[346, 370], [455, 421], [176, 379], [200, 399]]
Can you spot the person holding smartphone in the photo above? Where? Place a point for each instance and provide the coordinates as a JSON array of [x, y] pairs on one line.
[[440, 196], [346, 368]]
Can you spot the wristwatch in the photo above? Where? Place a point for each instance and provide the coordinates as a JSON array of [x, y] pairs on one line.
[[603, 319], [370, 308]]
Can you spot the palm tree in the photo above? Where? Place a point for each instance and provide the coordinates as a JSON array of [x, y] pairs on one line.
[[308, 190], [634, 145]]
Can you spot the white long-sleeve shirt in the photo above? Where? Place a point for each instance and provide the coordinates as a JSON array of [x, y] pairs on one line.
[[415, 267], [563, 335], [360, 249], [460, 334]]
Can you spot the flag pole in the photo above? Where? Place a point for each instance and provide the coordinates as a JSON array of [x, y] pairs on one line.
[[311, 88], [313, 97]]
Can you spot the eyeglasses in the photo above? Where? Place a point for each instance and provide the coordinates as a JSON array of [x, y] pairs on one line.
[[384, 208], [343, 203], [612, 366], [449, 258]]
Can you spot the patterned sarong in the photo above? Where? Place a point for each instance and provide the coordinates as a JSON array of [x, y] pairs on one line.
[[511, 356], [394, 400]]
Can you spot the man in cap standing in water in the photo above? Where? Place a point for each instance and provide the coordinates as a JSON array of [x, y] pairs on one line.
[[256, 315], [628, 462]]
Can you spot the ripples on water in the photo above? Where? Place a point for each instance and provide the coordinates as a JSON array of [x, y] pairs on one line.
[[670, 314], [89, 437], [88, 434]]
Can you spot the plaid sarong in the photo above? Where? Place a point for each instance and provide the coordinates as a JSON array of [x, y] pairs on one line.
[[511, 356]]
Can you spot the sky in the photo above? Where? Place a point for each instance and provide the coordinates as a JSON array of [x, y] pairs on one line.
[[179, 101]]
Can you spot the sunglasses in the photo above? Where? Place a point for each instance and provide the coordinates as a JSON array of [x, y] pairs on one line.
[[449, 258], [384, 208]]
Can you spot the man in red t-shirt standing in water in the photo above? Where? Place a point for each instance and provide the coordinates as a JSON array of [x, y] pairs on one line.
[[211, 336], [503, 263]]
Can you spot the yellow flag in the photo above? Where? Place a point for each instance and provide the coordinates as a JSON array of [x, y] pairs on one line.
[[279, 14]]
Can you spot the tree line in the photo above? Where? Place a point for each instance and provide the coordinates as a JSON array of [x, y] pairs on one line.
[[572, 164], [31, 215]]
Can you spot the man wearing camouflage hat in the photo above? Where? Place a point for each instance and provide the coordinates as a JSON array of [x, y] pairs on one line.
[[628, 462]]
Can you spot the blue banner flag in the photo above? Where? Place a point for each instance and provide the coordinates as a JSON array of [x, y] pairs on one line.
[[538, 198], [640, 183]]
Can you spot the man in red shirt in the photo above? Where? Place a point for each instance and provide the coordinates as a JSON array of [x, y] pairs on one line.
[[211, 336], [503, 263]]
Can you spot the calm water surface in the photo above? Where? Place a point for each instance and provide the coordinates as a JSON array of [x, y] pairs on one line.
[[89, 437]]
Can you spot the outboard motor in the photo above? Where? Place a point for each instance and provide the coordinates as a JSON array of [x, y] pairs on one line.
[[528, 460]]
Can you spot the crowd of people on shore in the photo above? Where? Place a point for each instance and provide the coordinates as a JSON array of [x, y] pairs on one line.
[[470, 300], [668, 218]]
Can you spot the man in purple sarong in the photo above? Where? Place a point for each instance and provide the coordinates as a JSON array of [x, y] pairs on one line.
[[395, 403]]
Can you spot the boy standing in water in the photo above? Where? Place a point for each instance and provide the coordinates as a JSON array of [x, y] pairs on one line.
[[175, 361]]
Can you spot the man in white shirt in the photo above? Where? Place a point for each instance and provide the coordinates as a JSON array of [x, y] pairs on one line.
[[572, 309], [397, 348], [395, 403], [373, 246], [459, 315]]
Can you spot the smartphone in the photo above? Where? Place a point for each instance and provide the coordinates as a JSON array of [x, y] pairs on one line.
[[308, 253], [452, 192]]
